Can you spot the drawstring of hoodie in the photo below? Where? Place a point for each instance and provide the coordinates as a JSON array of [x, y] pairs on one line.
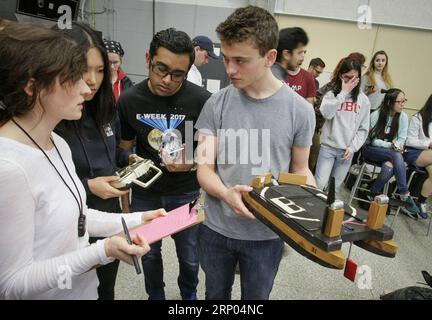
[[107, 150]]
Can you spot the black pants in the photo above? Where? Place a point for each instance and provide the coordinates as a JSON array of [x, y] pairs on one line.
[[107, 277]]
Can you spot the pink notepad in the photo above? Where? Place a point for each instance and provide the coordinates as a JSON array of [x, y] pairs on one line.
[[176, 220]]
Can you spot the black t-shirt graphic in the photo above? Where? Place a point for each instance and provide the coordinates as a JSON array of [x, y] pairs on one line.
[[149, 117]]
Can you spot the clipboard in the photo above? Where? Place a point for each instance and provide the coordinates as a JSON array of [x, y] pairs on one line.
[[175, 221]]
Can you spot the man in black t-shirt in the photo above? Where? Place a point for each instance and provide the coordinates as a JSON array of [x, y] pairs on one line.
[[160, 113]]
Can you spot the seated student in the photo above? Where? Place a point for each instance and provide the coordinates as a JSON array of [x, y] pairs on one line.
[[346, 112], [389, 129], [44, 246], [419, 153]]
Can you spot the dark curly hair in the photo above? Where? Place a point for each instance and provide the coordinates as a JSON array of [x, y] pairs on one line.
[[176, 41], [252, 24]]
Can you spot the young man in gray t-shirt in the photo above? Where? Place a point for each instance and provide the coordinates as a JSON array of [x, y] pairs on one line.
[[257, 124]]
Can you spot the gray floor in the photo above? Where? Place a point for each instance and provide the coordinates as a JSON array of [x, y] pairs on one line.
[[299, 278]]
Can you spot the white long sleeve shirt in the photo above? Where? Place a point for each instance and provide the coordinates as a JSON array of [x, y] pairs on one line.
[[41, 255], [416, 137], [376, 97]]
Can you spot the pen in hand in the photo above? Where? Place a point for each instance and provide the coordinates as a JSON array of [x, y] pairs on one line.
[[176, 150], [129, 240]]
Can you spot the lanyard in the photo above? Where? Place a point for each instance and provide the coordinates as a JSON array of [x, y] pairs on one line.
[[82, 217]]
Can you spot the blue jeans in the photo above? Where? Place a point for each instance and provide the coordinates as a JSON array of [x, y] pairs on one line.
[[329, 164], [258, 261], [186, 247], [382, 155]]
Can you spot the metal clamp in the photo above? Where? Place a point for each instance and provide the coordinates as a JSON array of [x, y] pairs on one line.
[[336, 205], [381, 199]]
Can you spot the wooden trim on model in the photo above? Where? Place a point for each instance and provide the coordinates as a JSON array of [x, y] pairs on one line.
[[291, 178], [389, 247], [334, 258]]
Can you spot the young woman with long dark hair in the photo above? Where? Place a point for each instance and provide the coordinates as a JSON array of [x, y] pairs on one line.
[[94, 139], [346, 112], [389, 129]]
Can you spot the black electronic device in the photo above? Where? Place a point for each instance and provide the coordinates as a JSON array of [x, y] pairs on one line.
[[47, 9]]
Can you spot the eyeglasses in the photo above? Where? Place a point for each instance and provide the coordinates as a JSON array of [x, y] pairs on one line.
[[115, 63], [401, 101], [162, 71]]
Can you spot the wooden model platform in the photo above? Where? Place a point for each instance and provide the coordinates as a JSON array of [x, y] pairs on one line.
[[316, 224]]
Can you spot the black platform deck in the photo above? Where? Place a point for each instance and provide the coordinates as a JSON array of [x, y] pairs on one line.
[[302, 208]]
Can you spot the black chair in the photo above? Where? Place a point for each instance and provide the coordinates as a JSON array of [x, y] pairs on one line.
[[361, 178]]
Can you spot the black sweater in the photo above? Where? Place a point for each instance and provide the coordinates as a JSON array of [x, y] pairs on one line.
[[96, 153]]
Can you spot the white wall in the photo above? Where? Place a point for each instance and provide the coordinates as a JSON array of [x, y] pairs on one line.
[[131, 23], [403, 13], [409, 51]]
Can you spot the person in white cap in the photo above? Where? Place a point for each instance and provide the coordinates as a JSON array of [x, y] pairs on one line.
[[203, 47]]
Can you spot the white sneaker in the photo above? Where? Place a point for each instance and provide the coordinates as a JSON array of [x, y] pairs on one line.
[[423, 210]]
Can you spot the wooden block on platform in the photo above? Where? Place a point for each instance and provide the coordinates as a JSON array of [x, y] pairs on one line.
[[261, 180], [334, 223], [268, 177], [376, 215], [291, 178], [336, 258], [258, 182]]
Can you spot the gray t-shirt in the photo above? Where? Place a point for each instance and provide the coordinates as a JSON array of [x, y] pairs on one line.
[[279, 71], [254, 137]]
